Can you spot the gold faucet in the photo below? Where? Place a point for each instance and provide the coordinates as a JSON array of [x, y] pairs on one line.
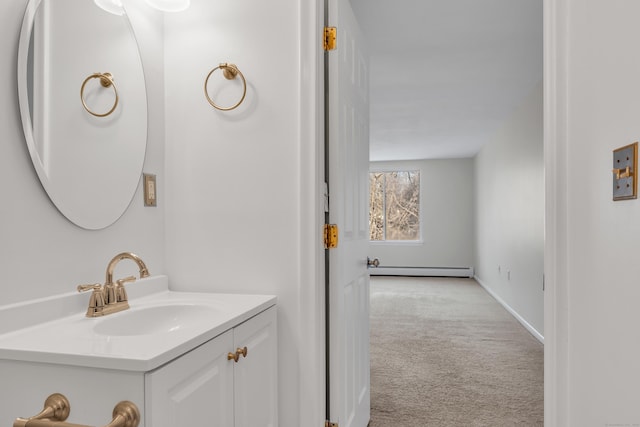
[[111, 298], [115, 292], [125, 255]]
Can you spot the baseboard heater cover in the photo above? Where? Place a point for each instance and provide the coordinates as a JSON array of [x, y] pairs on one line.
[[422, 271]]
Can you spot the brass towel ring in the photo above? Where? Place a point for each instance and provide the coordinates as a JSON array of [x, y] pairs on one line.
[[106, 80], [230, 71]]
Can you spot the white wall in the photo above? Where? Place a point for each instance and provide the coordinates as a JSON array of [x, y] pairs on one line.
[[244, 187], [240, 184], [592, 102], [595, 369], [509, 205], [41, 253], [446, 211]]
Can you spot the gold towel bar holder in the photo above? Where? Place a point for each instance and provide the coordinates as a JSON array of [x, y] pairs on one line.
[[229, 71], [106, 80], [57, 408]]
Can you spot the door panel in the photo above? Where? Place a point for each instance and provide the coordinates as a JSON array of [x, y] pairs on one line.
[[256, 375], [348, 157], [197, 386]]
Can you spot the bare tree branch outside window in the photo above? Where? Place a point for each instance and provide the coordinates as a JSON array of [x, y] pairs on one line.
[[394, 212]]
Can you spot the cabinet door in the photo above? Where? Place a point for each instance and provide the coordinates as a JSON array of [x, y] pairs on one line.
[[256, 387], [194, 390]]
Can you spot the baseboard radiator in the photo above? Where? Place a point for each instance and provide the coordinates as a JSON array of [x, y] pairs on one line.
[[422, 271]]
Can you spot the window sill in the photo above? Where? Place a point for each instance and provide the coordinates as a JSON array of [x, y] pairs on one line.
[[396, 242]]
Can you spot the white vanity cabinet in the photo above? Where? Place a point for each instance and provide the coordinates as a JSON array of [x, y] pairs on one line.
[[168, 354], [206, 387]]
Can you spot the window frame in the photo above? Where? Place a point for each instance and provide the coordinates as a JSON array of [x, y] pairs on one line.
[[419, 240]]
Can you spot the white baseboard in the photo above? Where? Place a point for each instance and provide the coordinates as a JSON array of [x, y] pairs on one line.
[[514, 313], [422, 271]]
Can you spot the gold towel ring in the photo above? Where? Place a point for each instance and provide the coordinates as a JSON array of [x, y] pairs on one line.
[[230, 71], [106, 80]]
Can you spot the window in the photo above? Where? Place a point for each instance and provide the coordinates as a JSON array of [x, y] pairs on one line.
[[394, 210]]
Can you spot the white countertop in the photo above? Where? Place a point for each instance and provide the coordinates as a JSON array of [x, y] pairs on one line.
[[71, 339]]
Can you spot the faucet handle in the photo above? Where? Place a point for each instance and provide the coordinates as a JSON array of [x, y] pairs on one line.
[[126, 280], [121, 292], [94, 287], [96, 302]]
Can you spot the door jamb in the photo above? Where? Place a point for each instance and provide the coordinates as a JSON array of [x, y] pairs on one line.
[[311, 331], [555, 51]]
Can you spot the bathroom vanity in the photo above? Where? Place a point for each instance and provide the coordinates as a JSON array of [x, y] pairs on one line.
[[183, 358]]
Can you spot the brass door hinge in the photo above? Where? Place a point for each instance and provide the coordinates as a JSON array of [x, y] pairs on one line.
[[330, 37], [330, 236], [330, 424]]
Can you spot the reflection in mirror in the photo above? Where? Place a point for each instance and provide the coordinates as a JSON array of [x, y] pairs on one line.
[[89, 164], [111, 6]]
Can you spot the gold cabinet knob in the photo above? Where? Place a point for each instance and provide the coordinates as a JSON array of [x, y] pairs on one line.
[[241, 351]]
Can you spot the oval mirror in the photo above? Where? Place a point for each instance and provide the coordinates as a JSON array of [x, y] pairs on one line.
[[89, 159]]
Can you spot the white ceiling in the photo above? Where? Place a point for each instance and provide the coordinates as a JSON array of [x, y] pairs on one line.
[[445, 74]]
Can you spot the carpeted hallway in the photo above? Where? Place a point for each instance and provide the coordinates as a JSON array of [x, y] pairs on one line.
[[445, 353]]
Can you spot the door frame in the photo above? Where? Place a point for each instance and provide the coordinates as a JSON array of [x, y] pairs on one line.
[[311, 262], [311, 332], [556, 334]]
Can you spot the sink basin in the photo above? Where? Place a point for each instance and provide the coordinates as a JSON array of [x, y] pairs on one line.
[[154, 320], [160, 326]]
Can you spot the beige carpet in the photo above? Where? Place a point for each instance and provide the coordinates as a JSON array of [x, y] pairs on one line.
[[445, 353]]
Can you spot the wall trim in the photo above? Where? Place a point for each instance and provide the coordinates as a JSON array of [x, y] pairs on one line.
[[556, 295], [422, 271], [311, 287], [533, 331]]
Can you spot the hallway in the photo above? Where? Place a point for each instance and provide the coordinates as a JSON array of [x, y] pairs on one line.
[[445, 353]]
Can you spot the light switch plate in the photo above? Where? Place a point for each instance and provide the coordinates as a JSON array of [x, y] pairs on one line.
[[625, 177], [150, 190]]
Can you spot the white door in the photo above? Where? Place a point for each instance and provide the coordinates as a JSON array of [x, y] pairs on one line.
[[348, 157]]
